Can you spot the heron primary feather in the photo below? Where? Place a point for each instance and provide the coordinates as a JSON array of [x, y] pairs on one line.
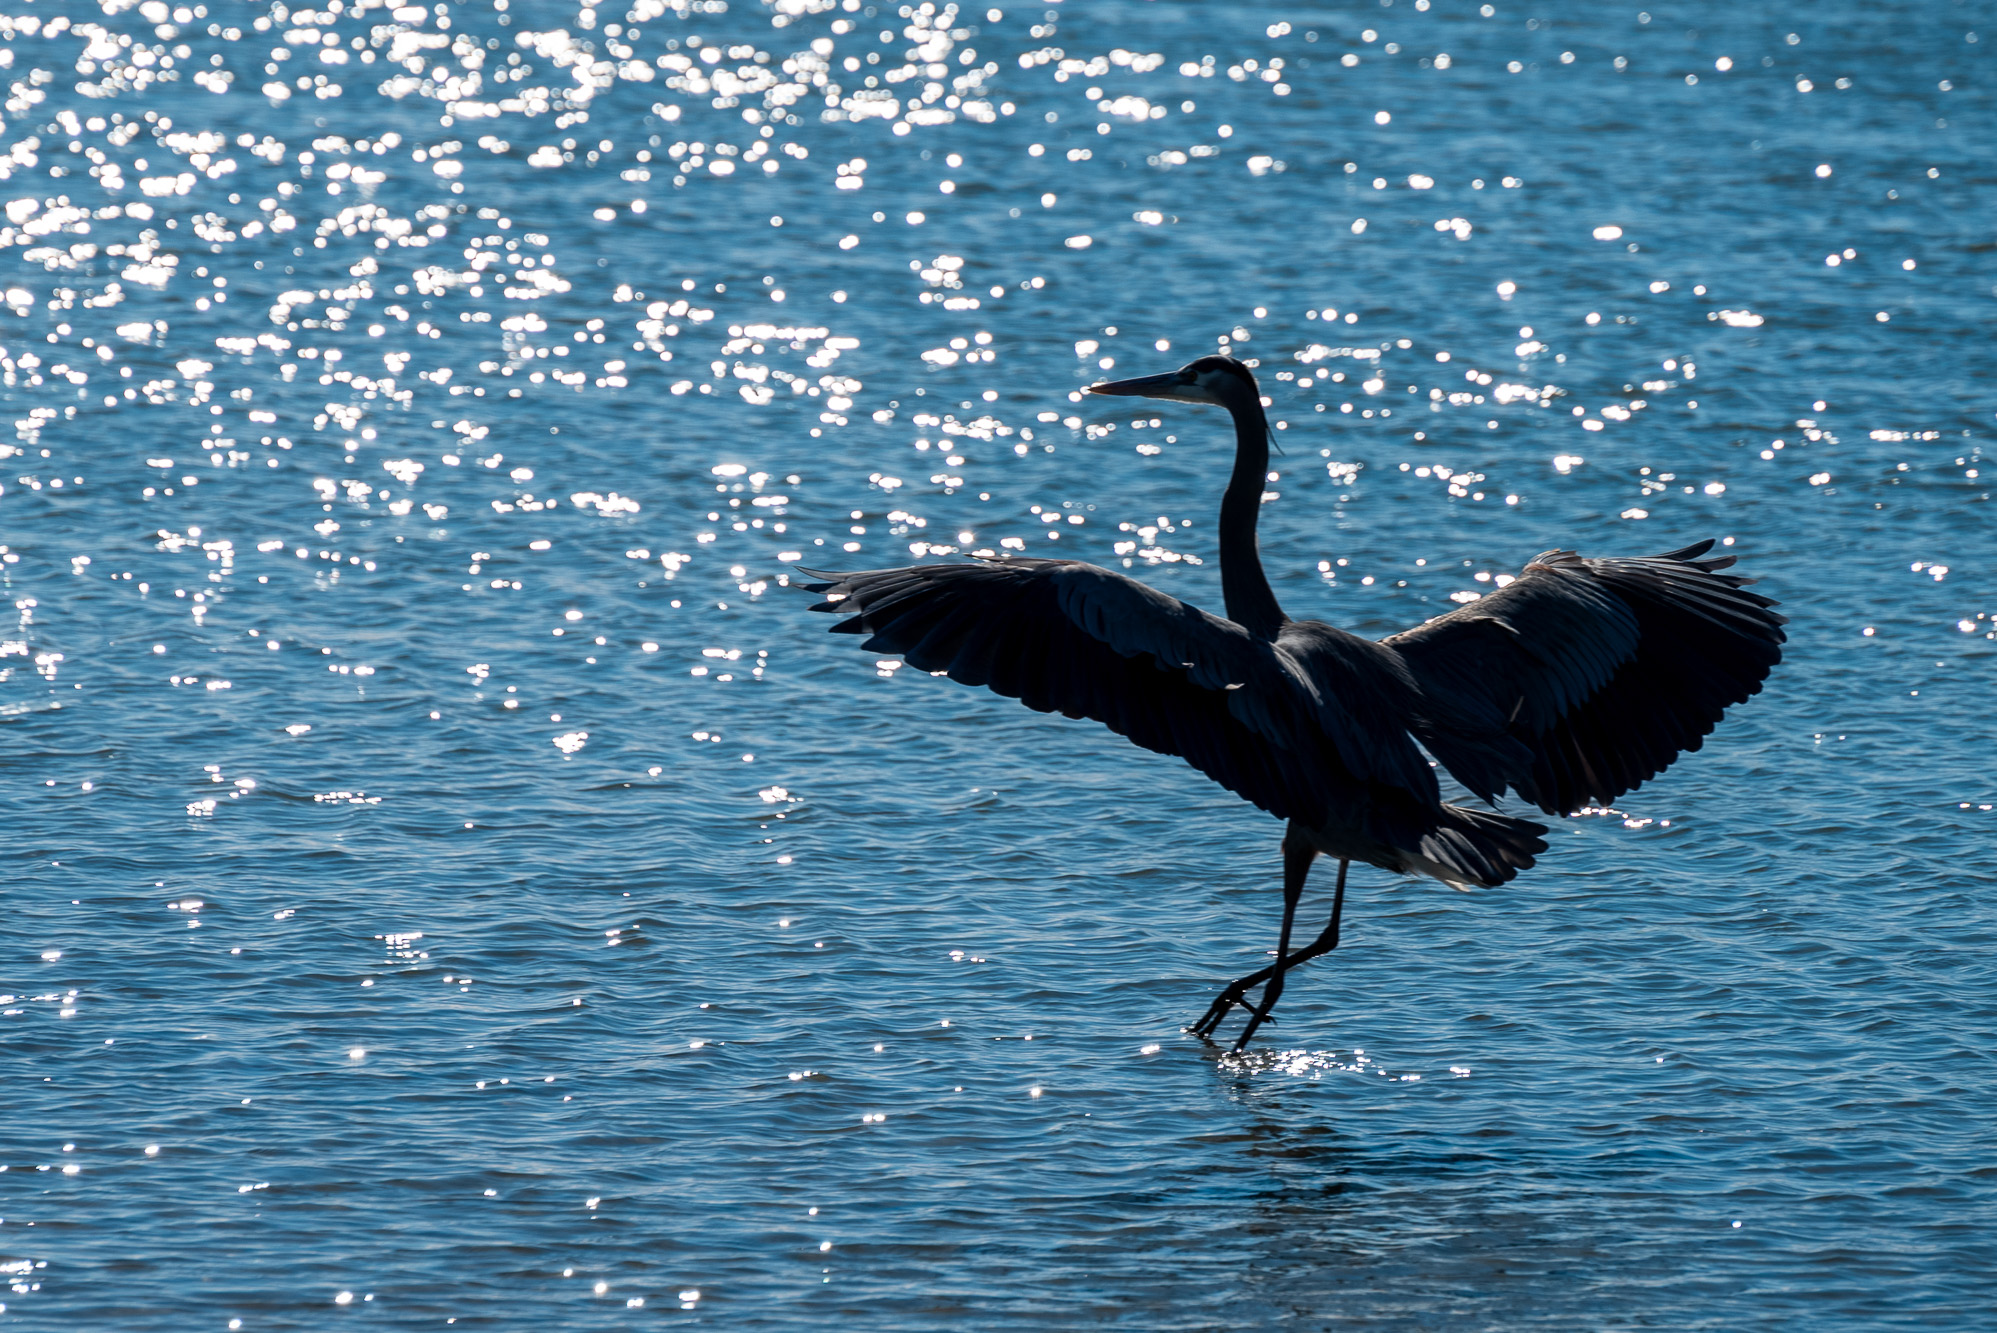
[[1570, 686]]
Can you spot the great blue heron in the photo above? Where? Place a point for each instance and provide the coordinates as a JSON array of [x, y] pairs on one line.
[[1570, 685]]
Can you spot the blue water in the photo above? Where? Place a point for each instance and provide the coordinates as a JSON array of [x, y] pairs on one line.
[[482, 893]]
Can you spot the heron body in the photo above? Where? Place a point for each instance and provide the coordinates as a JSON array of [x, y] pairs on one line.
[[1571, 685]]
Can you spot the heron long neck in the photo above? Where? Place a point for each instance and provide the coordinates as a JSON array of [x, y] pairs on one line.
[[1251, 603]]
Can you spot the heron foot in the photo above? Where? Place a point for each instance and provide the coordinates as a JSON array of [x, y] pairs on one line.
[[1256, 1018], [1223, 1004], [1218, 1011]]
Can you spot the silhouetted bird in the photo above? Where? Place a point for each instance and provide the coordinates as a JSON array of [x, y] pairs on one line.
[[1571, 685]]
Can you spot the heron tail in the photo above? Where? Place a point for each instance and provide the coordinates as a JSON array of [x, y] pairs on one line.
[[1476, 848]]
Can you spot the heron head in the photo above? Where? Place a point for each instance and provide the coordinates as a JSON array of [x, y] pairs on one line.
[[1211, 379]]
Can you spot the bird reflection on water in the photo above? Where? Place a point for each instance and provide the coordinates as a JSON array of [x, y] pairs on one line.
[[1426, 1236], [1570, 686]]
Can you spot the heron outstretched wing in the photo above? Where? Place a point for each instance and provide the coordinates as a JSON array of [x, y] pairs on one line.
[[1584, 678], [1070, 637]]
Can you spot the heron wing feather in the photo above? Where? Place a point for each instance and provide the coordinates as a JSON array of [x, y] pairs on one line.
[[1069, 637], [1585, 678]]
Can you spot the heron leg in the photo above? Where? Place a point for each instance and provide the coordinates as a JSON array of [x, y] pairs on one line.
[[1273, 988], [1298, 853], [1326, 941]]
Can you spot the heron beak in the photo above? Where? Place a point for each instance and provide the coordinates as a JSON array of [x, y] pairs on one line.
[[1168, 386]]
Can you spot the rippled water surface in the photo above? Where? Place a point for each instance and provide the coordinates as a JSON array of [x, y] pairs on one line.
[[449, 877]]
